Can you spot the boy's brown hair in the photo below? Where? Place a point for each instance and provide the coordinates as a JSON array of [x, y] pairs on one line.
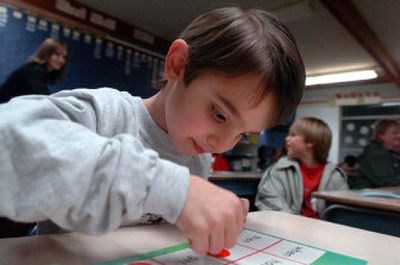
[[43, 54], [381, 127], [232, 42], [316, 132]]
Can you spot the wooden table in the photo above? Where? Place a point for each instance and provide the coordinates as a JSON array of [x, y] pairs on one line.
[[355, 198], [75, 248]]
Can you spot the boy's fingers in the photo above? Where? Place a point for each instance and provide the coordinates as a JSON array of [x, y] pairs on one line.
[[200, 243], [216, 225], [232, 227], [216, 241], [230, 238], [246, 207]]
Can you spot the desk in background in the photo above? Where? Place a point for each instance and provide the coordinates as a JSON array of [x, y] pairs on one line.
[[243, 184], [75, 248], [350, 207]]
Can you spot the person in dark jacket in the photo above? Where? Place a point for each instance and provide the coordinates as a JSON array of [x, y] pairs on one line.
[[379, 164], [45, 67]]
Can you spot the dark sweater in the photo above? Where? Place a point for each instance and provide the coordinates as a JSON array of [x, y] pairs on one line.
[[378, 168], [31, 78]]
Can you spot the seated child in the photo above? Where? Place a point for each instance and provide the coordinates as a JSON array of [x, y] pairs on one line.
[[379, 164], [287, 185], [93, 160]]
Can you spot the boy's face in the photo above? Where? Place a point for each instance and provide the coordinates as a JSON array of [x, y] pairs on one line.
[[296, 146], [213, 112]]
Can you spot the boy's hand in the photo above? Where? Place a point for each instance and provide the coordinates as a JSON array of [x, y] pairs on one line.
[[212, 217]]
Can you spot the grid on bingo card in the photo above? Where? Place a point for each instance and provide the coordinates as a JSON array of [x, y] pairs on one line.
[[252, 248], [258, 248]]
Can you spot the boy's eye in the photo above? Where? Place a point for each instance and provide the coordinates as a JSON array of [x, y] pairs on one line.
[[218, 115]]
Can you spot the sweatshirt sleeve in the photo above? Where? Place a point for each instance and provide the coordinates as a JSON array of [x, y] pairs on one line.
[[56, 164], [339, 181], [271, 193]]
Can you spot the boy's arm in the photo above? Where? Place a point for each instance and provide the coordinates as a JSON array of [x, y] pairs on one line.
[[339, 180], [55, 168], [271, 193]]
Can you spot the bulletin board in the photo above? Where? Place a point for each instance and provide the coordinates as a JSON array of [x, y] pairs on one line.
[[92, 61]]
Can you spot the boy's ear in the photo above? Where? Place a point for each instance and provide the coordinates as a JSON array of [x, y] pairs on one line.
[[310, 145], [176, 59]]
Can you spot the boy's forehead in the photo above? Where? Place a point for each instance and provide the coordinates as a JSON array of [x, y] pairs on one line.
[[295, 128]]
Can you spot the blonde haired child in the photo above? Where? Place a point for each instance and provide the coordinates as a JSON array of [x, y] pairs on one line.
[[287, 185]]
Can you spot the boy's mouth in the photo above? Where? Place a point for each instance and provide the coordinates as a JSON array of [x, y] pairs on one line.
[[197, 148]]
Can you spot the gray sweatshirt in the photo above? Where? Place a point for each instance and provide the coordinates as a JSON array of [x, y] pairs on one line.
[[281, 187], [89, 161]]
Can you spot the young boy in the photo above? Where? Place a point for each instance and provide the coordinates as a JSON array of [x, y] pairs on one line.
[[287, 185], [93, 160]]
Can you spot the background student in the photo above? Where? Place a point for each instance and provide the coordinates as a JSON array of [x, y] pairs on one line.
[[93, 160], [45, 67], [287, 185], [379, 164]]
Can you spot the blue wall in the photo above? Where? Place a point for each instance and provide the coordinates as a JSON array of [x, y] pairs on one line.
[[93, 62]]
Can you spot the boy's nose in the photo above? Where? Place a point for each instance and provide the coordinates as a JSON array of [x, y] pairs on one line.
[[220, 143]]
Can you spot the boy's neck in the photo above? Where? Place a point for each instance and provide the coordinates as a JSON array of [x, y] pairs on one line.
[[308, 160], [155, 105]]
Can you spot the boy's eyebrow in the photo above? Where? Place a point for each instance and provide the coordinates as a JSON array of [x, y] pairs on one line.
[[230, 107], [233, 110]]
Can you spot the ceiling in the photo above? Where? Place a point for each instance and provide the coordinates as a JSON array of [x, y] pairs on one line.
[[373, 41]]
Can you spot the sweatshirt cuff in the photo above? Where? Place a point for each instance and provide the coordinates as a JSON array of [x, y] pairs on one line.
[[169, 191]]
